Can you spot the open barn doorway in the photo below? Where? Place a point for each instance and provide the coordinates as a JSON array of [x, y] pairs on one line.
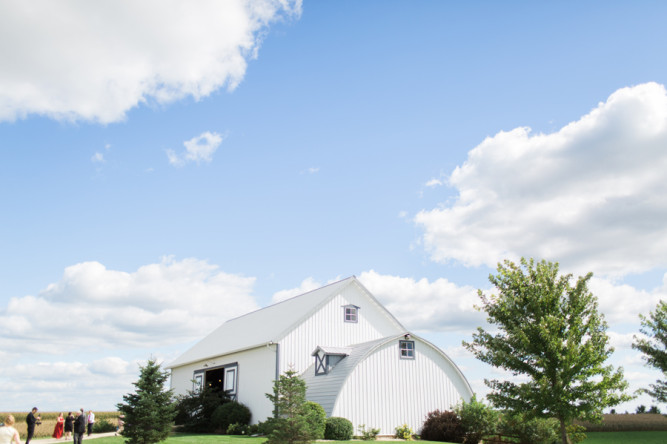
[[215, 378]]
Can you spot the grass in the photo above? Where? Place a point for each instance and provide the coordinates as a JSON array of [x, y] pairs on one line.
[[186, 438], [650, 437]]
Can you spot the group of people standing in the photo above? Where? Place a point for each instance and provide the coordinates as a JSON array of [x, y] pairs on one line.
[[77, 425], [72, 425]]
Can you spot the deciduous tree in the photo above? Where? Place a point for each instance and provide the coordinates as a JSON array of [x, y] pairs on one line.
[[654, 347], [551, 333]]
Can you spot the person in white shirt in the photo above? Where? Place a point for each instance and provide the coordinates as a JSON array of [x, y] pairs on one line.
[[9, 433], [91, 421]]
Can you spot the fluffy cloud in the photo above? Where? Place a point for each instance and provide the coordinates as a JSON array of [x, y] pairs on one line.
[[307, 285], [421, 305], [624, 303], [68, 385], [197, 149], [159, 304], [591, 195], [76, 60]]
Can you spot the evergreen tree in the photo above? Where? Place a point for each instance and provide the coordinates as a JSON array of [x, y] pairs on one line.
[[290, 411], [149, 412], [552, 333], [654, 347]]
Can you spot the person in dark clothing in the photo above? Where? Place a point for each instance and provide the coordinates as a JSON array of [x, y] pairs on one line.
[[31, 420], [79, 427], [69, 425]]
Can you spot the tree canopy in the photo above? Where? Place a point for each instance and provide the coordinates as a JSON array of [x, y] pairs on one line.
[[654, 347], [551, 334], [149, 412]]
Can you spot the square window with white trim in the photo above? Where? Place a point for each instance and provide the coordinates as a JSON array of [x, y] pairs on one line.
[[406, 349], [351, 313]]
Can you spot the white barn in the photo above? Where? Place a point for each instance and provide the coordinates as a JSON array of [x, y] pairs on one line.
[[358, 361]]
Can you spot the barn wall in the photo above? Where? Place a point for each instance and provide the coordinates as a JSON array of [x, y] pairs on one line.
[[384, 391], [327, 327], [256, 372]]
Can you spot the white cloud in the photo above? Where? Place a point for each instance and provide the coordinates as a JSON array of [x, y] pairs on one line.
[[434, 183], [75, 60], [197, 149], [620, 340], [421, 305], [591, 195], [307, 285], [98, 158], [68, 385], [624, 303], [159, 304]]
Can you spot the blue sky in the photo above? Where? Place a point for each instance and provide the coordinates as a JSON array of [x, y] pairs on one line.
[[165, 167]]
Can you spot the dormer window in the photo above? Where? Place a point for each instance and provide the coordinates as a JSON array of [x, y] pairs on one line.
[[406, 349], [351, 313], [326, 358]]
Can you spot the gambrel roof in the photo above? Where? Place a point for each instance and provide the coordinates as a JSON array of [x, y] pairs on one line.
[[269, 324]]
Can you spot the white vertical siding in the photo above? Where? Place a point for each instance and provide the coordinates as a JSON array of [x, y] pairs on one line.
[[256, 372], [384, 391], [327, 327]]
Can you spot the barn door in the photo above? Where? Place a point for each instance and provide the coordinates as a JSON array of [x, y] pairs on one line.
[[231, 374]]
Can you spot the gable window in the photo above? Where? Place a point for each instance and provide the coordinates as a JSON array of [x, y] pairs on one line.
[[326, 358], [351, 313], [406, 349]]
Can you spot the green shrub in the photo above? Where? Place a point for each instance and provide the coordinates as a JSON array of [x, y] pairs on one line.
[[253, 429], [238, 429], [404, 432], [338, 429], [442, 426], [103, 426], [231, 412], [195, 410], [368, 434], [317, 418], [477, 420], [576, 433], [530, 431], [267, 427]]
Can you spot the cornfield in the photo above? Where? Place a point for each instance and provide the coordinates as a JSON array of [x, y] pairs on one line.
[[633, 422], [49, 419]]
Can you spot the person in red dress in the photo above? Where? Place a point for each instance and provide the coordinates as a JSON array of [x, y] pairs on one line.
[[58, 430]]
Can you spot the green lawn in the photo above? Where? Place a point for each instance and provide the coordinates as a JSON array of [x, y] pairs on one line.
[[626, 438], [593, 438], [185, 438]]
